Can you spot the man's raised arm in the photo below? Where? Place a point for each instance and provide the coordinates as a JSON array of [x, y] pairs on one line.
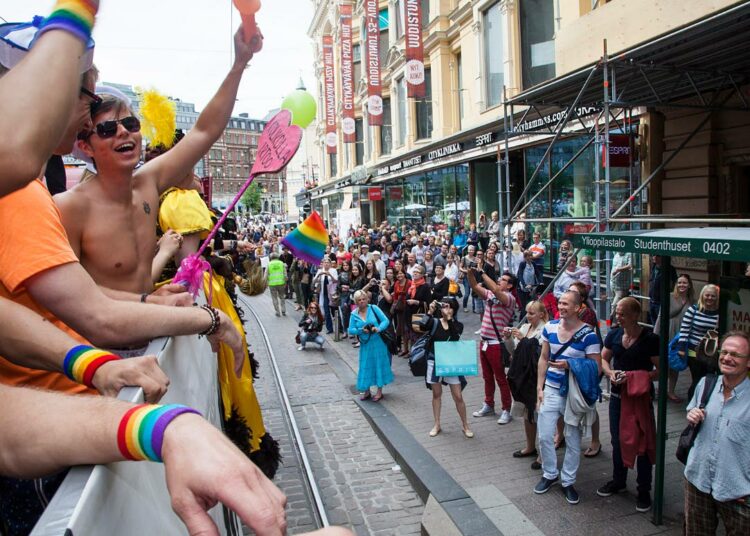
[[171, 168]]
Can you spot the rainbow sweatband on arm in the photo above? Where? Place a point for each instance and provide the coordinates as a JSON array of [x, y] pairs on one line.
[[140, 434], [81, 363], [73, 16]]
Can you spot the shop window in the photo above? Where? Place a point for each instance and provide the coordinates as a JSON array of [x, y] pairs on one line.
[[386, 131], [537, 41], [424, 109], [401, 103], [493, 54], [359, 145]]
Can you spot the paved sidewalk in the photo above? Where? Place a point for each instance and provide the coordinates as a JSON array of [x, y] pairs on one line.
[[355, 473], [502, 485]]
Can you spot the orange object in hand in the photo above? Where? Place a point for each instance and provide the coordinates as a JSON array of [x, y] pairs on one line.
[[248, 9]]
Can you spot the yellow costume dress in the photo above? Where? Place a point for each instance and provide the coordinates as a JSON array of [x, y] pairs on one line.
[[185, 212]]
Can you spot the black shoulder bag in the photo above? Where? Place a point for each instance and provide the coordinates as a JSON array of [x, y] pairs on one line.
[[688, 435]]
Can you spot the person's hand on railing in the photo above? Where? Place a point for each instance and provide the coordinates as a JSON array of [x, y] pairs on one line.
[[229, 335], [143, 372], [203, 467]]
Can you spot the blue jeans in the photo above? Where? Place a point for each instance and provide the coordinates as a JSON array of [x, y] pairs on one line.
[[328, 313], [467, 291], [552, 408], [317, 338], [619, 471]]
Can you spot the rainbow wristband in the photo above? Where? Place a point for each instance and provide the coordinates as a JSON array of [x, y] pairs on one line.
[[73, 16], [81, 363], [141, 432]]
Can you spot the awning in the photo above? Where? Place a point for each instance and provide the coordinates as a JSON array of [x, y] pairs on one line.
[[704, 56], [719, 243]]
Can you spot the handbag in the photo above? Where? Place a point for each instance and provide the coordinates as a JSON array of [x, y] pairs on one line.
[[676, 361], [707, 352], [688, 435], [456, 358], [388, 334], [418, 352], [419, 321], [453, 288], [298, 338]]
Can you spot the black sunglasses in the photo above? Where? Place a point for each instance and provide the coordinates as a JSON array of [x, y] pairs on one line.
[[96, 100], [108, 129]]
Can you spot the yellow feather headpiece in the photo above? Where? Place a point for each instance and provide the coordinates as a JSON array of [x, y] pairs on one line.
[[158, 118]]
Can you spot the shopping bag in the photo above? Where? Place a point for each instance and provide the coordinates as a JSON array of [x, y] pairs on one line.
[[457, 358]]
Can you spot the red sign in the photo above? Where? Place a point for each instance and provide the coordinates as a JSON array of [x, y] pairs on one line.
[[576, 228], [375, 194], [207, 184], [415, 72], [374, 95], [347, 75], [330, 95], [620, 150], [396, 192]]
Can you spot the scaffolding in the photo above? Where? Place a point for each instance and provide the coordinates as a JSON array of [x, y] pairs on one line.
[[701, 66]]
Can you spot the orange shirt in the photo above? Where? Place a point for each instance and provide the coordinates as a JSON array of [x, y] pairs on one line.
[[32, 240]]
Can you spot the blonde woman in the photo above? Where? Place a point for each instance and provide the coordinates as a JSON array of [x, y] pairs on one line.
[[697, 321], [366, 322], [525, 344], [681, 299]]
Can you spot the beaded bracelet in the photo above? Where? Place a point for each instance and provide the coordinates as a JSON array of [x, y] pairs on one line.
[[73, 16], [140, 435], [215, 321], [81, 363]]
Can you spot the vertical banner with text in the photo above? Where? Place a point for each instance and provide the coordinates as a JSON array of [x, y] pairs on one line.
[[374, 95], [414, 71], [330, 95], [347, 74]]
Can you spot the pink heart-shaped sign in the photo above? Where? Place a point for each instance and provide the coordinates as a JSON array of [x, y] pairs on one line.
[[277, 145]]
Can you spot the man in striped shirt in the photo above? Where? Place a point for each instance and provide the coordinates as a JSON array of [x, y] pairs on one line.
[[499, 306], [563, 339]]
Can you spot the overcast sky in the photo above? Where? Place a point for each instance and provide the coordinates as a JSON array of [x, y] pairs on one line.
[[183, 47]]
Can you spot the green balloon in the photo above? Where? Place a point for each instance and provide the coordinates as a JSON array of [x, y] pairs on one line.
[[302, 105]]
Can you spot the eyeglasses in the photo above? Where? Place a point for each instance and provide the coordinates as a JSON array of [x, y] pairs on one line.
[[108, 129], [735, 355], [96, 100]]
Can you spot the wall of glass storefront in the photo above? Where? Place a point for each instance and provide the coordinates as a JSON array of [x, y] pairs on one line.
[[438, 197]]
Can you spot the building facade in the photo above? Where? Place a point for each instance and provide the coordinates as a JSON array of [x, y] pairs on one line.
[[461, 150]]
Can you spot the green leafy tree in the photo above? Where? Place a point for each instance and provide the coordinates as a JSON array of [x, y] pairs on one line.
[[251, 198]]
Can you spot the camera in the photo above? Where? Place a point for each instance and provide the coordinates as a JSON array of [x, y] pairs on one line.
[[367, 328]]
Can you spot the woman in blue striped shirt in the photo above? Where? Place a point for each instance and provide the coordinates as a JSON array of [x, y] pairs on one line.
[[696, 322]]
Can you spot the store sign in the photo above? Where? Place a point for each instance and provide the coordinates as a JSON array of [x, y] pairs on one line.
[[372, 64], [729, 249], [620, 150], [330, 95], [734, 304], [395, 192], [441, 152], [414, 70], [374, 194], [347, 75], [575, 228], [552, 120]]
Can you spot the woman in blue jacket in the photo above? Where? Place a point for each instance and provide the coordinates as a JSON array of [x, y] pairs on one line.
[[366, 322]]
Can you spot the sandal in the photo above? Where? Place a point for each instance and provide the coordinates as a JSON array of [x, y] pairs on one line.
[[588, 453], [468, 434], [535, 465], [366, 396], [435, 431], [522, 454], [378, 398]]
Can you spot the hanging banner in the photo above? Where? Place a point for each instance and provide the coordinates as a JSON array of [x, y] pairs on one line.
[[347, 75], [414, 71], [374, 95], [330, 94]]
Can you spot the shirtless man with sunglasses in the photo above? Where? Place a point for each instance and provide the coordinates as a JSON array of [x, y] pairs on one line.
[[111, 220]]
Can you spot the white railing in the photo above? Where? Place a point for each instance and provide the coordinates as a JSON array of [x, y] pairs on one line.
[[126, 498]]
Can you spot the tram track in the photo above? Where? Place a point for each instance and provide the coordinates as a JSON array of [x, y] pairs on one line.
[[295, 475]]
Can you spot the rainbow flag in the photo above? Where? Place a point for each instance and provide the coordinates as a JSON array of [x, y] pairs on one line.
[[309, 240]]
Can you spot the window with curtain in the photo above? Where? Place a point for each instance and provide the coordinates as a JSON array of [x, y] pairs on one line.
[[493, 54], [424, 109], [359, 145], [401, 103], [386, 131]]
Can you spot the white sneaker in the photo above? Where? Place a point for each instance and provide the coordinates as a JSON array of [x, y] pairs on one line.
[[505, 417], [300, 348], [478, 332], [486, 410]]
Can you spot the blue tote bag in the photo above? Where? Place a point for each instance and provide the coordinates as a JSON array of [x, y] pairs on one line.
[[457, 358]]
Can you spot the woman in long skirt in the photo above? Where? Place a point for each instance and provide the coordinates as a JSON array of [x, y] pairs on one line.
[[367, 321]]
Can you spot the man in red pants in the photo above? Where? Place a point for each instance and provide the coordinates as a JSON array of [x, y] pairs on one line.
[[499, 306]]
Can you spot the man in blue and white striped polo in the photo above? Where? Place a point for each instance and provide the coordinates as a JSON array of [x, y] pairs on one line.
[[563, 339]]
